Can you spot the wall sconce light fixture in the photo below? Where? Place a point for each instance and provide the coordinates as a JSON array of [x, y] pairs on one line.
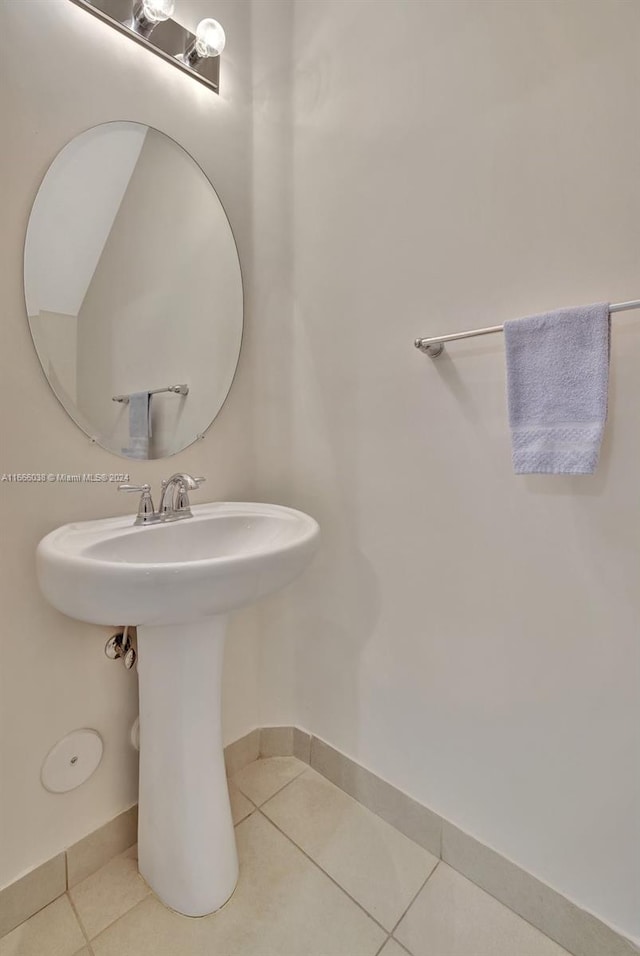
[[149, 23]]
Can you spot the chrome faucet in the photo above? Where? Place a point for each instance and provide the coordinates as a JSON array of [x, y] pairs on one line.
[[174, 499]]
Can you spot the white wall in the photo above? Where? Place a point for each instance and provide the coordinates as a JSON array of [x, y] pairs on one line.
[[53, 673], [469, 635]]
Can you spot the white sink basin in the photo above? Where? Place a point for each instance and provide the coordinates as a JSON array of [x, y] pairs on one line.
[[177, 582], [227, 555]]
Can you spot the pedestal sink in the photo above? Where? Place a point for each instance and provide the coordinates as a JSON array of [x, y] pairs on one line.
[[177, 582]]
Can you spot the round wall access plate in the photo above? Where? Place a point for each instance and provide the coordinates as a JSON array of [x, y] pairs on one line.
[[72, 761]]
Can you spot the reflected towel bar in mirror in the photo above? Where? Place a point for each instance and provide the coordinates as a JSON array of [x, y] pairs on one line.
[[435, 346], [180, 389]]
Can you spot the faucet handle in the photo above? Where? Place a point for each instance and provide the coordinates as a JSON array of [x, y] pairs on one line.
[[181, 503], [145, 507]]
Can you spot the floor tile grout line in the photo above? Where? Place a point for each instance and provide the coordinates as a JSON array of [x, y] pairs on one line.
[[420, 888], [512, 911], [252, 802], [324, 872], [258, 806], [384, 943], [415, 898], [308, 766], [79, 921], [249, 814], [35, 913], [506, 906], [77, 913], [230, 781], [254, 805], [437, 855], [283, 787], [401, 945], [150, 895]]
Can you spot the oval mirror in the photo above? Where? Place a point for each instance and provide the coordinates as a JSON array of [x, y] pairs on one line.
[[133, 290]]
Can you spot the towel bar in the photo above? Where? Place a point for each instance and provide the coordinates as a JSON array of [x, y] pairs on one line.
[[435, 346]]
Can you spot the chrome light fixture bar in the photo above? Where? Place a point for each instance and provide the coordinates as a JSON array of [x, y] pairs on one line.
[[149, 23]]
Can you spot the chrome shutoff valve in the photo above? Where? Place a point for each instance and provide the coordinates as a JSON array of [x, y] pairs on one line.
[[120, 646]]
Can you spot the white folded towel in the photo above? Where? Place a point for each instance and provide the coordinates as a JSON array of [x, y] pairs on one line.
[[557, 381]]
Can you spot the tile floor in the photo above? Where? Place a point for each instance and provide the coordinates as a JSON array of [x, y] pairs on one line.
[[320, 875]]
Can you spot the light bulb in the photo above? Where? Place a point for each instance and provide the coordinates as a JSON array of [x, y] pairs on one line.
[[158, 10], [210, 38], [147, 14]]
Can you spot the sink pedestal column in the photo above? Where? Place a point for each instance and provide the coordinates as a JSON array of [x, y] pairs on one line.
[[186, 842]]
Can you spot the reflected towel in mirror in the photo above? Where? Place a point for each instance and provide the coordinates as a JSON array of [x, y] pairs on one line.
[[139, 425]]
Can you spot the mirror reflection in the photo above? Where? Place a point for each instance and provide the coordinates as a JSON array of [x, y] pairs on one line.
[[133, 290]]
